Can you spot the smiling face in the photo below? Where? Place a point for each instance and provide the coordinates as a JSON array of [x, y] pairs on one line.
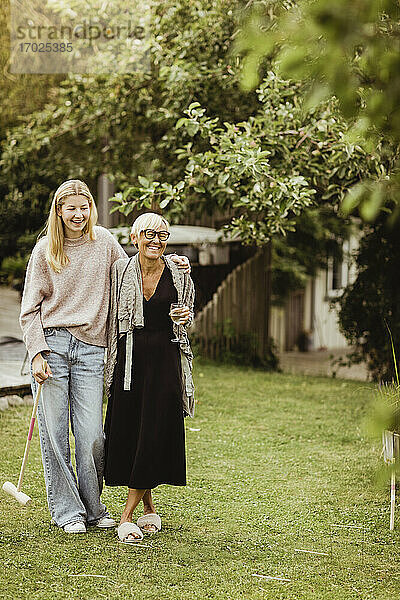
[[74, 212], [150, 249]]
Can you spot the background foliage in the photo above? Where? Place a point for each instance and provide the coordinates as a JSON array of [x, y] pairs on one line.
[[351, 51], [20, 96], [263, 160]]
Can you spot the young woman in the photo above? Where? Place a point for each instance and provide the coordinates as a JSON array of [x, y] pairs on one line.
[[64, 319], [148, 374]]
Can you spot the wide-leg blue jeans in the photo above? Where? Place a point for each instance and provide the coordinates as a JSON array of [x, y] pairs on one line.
[[74, 393]]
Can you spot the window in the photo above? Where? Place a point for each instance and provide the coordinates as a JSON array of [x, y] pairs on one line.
[[337, 268], [337, 274]]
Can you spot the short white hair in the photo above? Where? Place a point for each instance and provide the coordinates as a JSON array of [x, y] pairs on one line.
[[148, 221]]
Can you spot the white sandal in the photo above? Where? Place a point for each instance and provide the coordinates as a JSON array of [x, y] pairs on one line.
[[150, 519], [125, 529]]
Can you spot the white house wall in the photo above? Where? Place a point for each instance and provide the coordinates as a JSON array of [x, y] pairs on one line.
[[322, 320], [325, 327]]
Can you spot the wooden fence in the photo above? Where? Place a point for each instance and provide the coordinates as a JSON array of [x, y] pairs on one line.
[[238, 312], [294, 317]]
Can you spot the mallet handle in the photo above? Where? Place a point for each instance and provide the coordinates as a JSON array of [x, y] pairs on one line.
[[30, 433]]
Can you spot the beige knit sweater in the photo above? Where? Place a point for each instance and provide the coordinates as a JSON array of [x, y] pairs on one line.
[[77, 298]]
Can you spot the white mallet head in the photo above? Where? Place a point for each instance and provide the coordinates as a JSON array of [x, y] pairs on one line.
[[22, 498]]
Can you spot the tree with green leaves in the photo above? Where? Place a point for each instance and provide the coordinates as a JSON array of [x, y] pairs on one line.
[[20, 94], [264, 172], [347, 50]]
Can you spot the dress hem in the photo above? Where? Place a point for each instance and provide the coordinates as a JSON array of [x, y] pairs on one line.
[[144, 487]]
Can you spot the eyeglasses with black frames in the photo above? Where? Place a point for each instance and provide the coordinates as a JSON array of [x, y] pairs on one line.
[[150, 234]]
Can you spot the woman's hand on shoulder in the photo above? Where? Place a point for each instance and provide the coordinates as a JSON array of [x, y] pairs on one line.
[[182, 262], [39, 371]]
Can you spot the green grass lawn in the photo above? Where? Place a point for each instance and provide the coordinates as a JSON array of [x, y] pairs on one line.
[[277, 465]]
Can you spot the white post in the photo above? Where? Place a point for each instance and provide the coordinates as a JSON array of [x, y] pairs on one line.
[[392, 499]]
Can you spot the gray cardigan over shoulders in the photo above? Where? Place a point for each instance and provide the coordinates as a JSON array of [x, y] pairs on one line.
[[126, 314]]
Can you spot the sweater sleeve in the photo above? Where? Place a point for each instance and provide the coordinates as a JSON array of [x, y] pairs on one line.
[[35, 289], [116, 249], [117, 252]]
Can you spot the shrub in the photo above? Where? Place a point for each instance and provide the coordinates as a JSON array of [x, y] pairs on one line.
[[372, 300], [12, 271], [227, 346]]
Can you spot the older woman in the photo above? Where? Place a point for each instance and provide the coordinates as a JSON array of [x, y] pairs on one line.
[[148, 376]]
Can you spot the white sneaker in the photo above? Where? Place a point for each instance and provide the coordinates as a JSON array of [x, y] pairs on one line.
[[78, 527], [106, 523]]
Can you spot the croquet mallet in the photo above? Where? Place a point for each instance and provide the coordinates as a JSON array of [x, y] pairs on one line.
[[9, 487]]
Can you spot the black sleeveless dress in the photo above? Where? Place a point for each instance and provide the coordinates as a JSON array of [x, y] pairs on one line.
[[144, 427]]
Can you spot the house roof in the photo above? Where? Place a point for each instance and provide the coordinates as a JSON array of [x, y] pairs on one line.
[[192, 234], [185, 235]]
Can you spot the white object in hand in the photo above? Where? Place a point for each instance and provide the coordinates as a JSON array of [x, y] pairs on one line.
[[175, 312]]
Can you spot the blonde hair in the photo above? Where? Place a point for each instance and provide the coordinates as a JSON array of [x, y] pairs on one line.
[[54, 229], [148, 221]]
